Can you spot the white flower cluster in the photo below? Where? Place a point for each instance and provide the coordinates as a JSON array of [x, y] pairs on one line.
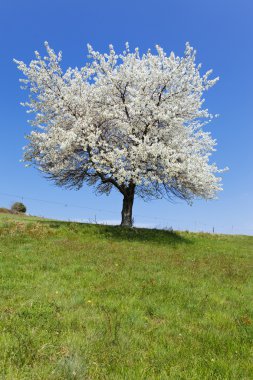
[[121, 120]]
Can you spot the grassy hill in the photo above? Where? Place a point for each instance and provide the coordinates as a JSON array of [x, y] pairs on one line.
[[83, 301]]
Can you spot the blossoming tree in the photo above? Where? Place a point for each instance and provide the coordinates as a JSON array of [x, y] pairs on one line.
[[131, 122]]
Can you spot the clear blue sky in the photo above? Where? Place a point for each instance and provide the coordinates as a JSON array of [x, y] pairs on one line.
[[222, 33]]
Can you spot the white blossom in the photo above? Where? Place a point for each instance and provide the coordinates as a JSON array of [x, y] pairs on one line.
[[122, 120]]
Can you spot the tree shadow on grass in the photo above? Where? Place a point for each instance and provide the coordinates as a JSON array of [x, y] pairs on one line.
[[163, 237], [118, 233]]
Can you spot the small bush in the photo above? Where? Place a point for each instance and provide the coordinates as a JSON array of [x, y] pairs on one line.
[[18, 207]]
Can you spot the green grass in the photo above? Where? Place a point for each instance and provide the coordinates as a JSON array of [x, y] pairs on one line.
[[94, 302]]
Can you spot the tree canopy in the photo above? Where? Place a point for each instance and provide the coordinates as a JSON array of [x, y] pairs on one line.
[[127, 121]]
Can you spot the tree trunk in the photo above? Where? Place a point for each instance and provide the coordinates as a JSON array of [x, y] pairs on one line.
[[126, 213]]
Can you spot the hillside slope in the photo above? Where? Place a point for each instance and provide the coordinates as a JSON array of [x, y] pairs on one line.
[[85, 301]]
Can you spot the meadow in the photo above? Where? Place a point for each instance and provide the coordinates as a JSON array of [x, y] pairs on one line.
[[81, 301]]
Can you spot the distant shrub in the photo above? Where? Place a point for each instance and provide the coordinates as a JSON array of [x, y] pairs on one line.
[[18, 207]]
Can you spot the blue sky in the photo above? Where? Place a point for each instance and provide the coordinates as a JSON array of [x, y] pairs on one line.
[[222, 33]]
